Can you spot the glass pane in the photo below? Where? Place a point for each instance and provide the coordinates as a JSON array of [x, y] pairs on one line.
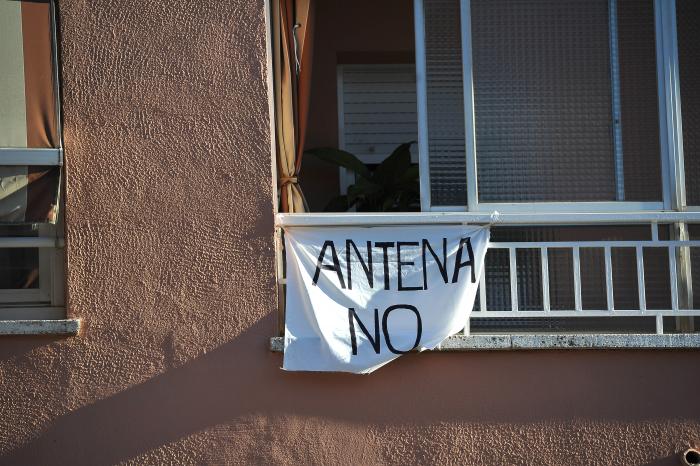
[[694, 234], [544, 101], [688, 23], [563, 325], [497, 270], [624, 268], [19, 267], [657, 282], [445, 96], [639, 100], [593, 285], [561, 280], [529, 265]]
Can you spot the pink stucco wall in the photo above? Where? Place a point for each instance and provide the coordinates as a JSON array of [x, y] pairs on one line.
[[170, 264]]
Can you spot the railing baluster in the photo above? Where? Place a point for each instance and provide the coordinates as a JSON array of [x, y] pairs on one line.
[[577, 278], [640, 278], [544, 258], [513, 280], [673, 272], [609, 279], [659, 324]]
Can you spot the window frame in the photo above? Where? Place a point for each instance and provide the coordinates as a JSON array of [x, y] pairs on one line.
[[670, 125], [48, 300], [670, 211]]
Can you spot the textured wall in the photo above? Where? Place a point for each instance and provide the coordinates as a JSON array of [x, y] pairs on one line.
[[170, 264]]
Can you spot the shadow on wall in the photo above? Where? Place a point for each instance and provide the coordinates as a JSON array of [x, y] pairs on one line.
[[15, 347], [229, 383]]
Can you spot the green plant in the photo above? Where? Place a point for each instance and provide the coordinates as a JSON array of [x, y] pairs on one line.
[[390, 187]]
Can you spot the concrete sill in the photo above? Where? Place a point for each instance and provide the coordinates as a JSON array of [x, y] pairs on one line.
[[545, 342], [65, 327]]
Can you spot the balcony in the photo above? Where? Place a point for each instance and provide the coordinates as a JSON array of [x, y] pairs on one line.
[[534, 292]]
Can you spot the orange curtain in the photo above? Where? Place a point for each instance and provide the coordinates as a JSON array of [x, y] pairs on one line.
[[292, 23]]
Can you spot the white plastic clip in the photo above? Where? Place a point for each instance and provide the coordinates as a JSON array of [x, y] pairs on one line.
[[495, 218]]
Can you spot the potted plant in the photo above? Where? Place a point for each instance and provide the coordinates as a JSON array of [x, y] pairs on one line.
[[391, 186]]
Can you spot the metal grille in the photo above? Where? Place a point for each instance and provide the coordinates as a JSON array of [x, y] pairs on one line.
[[542, 90], [445, 98], [688, 24]]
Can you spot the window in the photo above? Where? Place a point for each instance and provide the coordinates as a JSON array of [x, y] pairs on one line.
[[568, 125], [561, 105], [31, 255]]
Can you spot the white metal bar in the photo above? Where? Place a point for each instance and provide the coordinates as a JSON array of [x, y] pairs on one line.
[[30, 242], [671, 127], [639, 252], [469, 117], [610, 296], [668, 185], [513, 280], [544, 258], [422, 105], [659, 324], [673, 272], [22, 156], [482, 290], [654, 231], [522, 218], [593, 244], [588, 313], [616, 102], [577, 278]]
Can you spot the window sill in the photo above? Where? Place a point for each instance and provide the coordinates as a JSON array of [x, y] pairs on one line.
[[545, 342], [67, 327]]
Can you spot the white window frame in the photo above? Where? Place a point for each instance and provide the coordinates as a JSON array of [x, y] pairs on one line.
[[673, 186], [671, 211], [48, 300]]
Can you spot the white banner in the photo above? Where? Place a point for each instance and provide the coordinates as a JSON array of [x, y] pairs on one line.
[[359, 297]]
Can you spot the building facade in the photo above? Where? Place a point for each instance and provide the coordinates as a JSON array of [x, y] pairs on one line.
[[170, 201]]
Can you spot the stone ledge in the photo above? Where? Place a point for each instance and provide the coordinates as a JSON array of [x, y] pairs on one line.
[[40, 327], [544, 342]]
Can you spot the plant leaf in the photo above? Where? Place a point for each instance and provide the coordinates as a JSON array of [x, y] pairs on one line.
[[393, 166], [337, 204], [340, 158]]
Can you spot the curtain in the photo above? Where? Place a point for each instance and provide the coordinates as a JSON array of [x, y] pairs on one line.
[[292, 23], [28, 113]]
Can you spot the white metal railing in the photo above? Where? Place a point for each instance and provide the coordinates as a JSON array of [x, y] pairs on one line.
[[673, 248], [522, 218], [578, 311]]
